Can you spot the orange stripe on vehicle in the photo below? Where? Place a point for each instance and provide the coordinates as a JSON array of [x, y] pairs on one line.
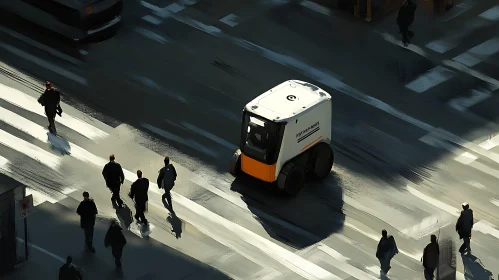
[[310, 144], [258, 169]]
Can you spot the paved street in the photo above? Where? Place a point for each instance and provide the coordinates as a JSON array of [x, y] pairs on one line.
[[414, 132]]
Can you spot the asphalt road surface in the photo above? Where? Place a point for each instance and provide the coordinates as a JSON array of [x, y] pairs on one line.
[[414, 130]]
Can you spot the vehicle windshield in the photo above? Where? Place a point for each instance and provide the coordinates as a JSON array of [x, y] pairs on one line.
[[260, 139]]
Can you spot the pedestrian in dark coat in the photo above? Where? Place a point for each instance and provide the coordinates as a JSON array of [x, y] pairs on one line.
[[114, 176], [464, 226], [166, 180], [51, 99], [87, 211], [117, 241], [138, 191], [404, 20], [68, 271], [431, 254], [387, 249]]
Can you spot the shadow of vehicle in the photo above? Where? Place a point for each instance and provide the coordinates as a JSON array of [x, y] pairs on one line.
[[314, 214]]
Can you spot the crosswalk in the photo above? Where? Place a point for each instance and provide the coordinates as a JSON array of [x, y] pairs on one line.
[[251, 231], [26, 149]]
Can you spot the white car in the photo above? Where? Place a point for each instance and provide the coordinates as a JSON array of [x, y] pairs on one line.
[[75, 19]]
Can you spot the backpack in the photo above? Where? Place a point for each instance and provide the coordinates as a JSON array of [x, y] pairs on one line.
[[170, 175]]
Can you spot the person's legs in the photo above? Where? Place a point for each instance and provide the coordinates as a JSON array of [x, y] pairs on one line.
[[89, 236], [117, 252], [116, 195], [169, 199], [404, 30]]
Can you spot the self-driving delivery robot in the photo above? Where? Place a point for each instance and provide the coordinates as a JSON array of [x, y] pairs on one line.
[[286, 136]]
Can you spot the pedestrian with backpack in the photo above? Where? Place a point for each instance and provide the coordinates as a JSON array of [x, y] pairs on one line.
[[166, 180]]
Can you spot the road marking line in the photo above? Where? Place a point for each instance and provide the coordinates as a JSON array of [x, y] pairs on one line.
[[30, 150], [152, 84], [486, 228], [451, 41], [62, 260], [458, 66], [151, 35], [316, 7], [230, 20], [495, 202], [175, 8], [430, 79], [491, 14], [45, 64], [427, 226], [430, 200], [189, 142], [40, 46], [210, 136], [458, 10], [27, 102], [478, 53], [476, 96], [152, 19], [340, 262], [331, 81]]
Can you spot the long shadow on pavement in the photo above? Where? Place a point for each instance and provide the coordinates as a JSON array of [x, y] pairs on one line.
[[55, 228], [316, 211]]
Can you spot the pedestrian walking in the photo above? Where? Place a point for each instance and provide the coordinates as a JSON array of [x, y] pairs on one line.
[[431, 255], [464, 226], [68, 271], [138, 192], [87, 211], [387, 249], [114, 176], [404, 20], [51, 99], [117, 241], [166, 180]]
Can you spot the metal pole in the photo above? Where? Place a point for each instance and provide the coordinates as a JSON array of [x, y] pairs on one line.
[[25, 229]]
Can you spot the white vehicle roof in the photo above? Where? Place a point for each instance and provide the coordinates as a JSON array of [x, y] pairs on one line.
[[287, 100]]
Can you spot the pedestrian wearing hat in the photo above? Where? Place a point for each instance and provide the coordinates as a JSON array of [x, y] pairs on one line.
[[464, 226]]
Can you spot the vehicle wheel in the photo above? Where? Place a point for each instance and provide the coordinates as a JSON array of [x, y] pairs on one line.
[[321, 161], [291, 179], [235, 163]]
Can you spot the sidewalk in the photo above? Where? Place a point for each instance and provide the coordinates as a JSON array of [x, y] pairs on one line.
[[55, 228]]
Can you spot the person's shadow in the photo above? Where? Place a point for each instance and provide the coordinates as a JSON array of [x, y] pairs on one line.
[[176, 224], [165, 203], [124, 214], [59, 144], [474, 269]]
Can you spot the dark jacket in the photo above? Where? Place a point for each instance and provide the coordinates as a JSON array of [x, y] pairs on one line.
[[114, 237], [406, 13], [67, 272], [50, 99], [139, 189], [169, 174], [87, 211], [430, 255], [464, 224], [387, 247], [113, 174]]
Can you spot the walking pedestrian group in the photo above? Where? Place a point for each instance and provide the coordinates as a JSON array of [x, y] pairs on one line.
[[387, 248], [115, 239]]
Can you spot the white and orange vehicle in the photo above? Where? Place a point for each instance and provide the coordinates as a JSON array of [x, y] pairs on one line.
[[285, 136]]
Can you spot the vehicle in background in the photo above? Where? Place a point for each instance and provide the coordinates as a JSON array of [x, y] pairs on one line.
[[74, 19], [286, 136]]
